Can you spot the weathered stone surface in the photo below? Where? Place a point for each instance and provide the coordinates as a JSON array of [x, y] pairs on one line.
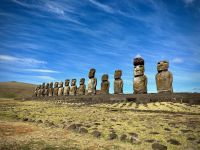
[[46, 90], [67, 87], [42, 89], [112, 136], [60, 89], [55, 90], [174, 142], [83, 130], [39, 92], [36, 91], [123, 137], [82, 87], [118, 83], [92, 82], [96, 134], [157, 146], [105, 84], [164, 78], [73, 88], [51, 89]]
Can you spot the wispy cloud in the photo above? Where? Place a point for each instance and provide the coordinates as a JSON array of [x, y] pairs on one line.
[[104, 7], [45, 78], [42, 70], [177, 60], [188, 1]]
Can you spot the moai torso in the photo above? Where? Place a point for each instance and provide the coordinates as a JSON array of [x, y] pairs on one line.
[[60, 89], [118, 83], [43, 89], [73, 87], [36, 91], [140, 80], [105, 84], [67, 87], [92, 82], [82, 87], [46, 91], [55, 89], [51, 89], [164, 78], [39, 91]]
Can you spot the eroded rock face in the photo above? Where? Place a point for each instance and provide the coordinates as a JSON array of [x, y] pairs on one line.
[[92, 82], [60, 89], [55, 89], [118, 83], [46, 91], [164, 78], [67, 87], [51, 89], [82, 87], [73, 87], [105, 84], [140, 79]]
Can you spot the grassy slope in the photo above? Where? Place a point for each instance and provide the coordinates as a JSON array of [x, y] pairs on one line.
[[16, 89]]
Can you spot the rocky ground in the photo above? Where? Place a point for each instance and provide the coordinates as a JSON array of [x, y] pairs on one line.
[[45, 125]]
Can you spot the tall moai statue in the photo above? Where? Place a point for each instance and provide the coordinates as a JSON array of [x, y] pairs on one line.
[[105, 84], [118, 83], [92, 82], [60, 89], [67, 87], [39, 91], [82, 87], [51, 89], [73, 87], [46, 91], [140, 79], [164, 78], [36, 91], [43, 89], [55, 89]]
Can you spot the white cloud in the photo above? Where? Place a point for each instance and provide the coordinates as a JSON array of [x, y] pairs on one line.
[[188, 1], [46, 78], [104, 7], [177, 60], [42, 70]]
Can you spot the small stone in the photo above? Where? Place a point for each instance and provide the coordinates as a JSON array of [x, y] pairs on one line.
[[72, 127], [97, 123], [113, 136], [157, 146], [167, 129], [174, 142], [39, 121], [153, 133], [96, 133], [191, 138], [150, 141], [83, 130], [123, 137], [185, 130], [25, 119]]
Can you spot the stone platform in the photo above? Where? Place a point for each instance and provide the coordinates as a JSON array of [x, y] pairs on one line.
[[190, 98]]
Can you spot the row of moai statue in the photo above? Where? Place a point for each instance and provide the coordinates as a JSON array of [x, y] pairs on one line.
[[164, 81]]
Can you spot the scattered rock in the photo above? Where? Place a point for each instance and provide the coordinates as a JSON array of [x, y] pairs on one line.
[[96, 133], [167, 129], [39, 121], [25, 119], [113, 136], [97, 123], [83, 130], [150, 141], [123, 137], [112, 119], [174, 142], [72, 127], [185, 130], [191, 138], [154, 133], [157, 146]]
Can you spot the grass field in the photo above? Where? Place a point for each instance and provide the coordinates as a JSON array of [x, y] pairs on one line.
[[45, 125]]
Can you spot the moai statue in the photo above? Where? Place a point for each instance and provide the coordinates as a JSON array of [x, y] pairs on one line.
[[67, 87], [39, 91], [105, 84], [51, 89], [140, 79], [73, 87], [55, 89], [164, 78], [60, 89], [118, 83], [82, 87], [36, 91], [92, 83], [46, 90], [43, 89]]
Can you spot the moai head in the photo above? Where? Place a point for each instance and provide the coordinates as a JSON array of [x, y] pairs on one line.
[[82, 81], [67, 82], [92, 73], [60, 84], [39, 86], [138, 70], [51, 84], [118, 74], [104, 77], [138, 61], [162, 66], [73, 82], [47, 86], [55, 84]]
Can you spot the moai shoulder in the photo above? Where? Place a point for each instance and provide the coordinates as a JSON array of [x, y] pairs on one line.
[[60, 89], [92, 82], [118, 83], [82, 87], [67, 87], [73, 88], [105, 84]]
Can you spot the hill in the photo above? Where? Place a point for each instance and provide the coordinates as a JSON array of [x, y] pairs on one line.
[[15, 89]]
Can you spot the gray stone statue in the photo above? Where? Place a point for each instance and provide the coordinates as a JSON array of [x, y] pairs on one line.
[[36, 91], [92, 82], [67, 87], [51, 89], [164, 78], [140, 80], [43, 89], [55, 89], [82, 87], [39, 91], [46, 91], [73, 87], [60, 89], [118, 83], [105, 84]]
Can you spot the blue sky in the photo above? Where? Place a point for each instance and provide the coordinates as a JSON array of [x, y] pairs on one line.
[[54, 40]]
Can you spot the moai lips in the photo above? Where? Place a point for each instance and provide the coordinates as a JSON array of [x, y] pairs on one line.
[[140, 80], [105, 84], [73, 87], [55, 90], [92, 82], [67, 87], [60, 89], [82, 87], [118, 83], [51, 89], [164, 78]]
